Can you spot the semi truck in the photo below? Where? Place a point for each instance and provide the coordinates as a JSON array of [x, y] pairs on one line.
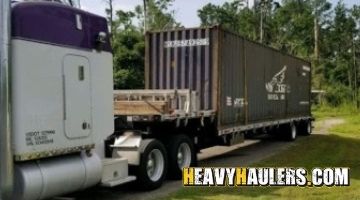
[[64, 128]]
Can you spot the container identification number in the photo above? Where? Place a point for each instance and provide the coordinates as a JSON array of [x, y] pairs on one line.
[[187, 43]]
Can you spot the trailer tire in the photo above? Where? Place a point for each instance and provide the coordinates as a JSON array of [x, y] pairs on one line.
[[152, 170], [305, 128], [290, 132], [181, 154]]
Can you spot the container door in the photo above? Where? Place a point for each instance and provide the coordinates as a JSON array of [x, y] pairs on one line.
[[77, 112], [232, 75]]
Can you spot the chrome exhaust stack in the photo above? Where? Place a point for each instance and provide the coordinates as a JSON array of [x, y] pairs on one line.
[[6, 157]]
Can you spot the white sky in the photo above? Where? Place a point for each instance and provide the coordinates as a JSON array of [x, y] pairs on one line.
[[185, 10]]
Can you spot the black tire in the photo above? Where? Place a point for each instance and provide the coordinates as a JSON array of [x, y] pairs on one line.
[[278, 132], [175, 170], [290, 132], [305, 128], [144, 180]]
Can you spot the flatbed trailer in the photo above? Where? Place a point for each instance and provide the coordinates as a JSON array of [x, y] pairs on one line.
[[147, 109]]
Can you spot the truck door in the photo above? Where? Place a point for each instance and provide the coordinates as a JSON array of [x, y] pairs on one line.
[[77, 97]]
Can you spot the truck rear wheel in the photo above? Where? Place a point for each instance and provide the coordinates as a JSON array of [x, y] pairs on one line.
[[152, 170], [181, 154]]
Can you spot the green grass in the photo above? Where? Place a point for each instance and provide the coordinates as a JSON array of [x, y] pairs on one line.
[[350, 128], [340, 149], [326, 111]]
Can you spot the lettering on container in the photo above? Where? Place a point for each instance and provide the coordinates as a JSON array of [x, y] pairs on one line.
[[228, 101], [187, 43], [276, 88], [235, 102], [306, 68], [239, 102]]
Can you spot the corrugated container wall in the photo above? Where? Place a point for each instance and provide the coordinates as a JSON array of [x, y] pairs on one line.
[[243, 81], [171, 64]]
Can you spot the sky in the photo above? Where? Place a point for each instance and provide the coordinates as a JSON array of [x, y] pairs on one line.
[[185, 10]]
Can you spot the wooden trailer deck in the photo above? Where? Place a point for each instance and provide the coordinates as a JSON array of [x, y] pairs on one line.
[[168, 104]]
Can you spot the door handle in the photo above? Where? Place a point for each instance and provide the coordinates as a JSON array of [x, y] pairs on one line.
[[86, 125]]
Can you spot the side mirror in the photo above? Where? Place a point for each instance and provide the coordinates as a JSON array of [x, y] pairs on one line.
[[101, 40]]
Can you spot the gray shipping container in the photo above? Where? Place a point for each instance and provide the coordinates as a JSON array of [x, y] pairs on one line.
[[242, 81]]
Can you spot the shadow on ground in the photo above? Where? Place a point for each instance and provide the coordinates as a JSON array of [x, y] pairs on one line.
[[242, 156], [315, 151], [318, 150]]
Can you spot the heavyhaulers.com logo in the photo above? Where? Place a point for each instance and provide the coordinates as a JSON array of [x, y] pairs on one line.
[[266, 177]]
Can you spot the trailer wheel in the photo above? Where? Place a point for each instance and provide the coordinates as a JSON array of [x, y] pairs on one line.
[[290, 132], [308, 128], [305, 128], [152, 170], [181, 154]]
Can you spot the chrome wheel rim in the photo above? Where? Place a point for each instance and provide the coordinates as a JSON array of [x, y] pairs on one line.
[[155, 165], [293, 132], [309, 127], [184, 155]]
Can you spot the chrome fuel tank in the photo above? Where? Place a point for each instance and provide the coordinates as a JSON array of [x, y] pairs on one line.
[[42, 179]]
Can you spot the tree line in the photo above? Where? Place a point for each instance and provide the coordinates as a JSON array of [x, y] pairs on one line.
[[325, 34]]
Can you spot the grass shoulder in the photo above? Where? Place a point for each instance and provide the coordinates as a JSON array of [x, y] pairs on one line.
[[351, 127], [325, 111]]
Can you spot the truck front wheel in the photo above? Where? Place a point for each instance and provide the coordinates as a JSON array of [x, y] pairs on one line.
[[181, 153], [152, 170]]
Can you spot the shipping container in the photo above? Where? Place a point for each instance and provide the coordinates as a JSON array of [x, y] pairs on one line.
[[243, 82]]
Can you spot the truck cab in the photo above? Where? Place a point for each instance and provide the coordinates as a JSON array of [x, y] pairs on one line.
[[61, 100]]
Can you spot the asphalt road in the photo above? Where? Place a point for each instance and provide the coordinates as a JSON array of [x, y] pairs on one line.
[[239, 155]]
